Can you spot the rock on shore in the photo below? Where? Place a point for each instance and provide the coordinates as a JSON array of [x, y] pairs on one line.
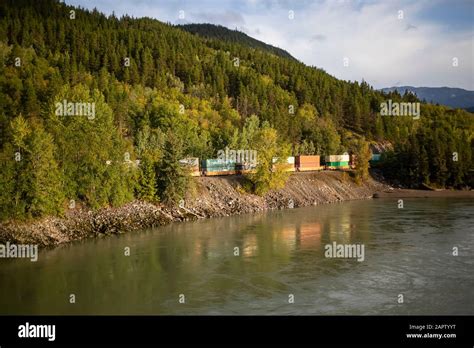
[[214, 196]]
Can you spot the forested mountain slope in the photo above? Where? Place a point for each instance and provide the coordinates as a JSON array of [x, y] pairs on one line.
[[219, 32], [160, 93], [453, 97]]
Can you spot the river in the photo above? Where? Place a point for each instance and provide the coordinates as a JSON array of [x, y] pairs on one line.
[[269, 263]]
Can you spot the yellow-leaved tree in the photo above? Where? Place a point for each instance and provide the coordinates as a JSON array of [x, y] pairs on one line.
[[268, 175]]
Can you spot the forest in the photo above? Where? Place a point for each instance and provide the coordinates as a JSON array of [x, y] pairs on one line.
[[161, 93]]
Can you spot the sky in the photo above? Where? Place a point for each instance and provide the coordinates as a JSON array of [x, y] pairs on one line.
[[387, 43]]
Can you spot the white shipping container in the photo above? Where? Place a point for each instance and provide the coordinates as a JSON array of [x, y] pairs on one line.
[[337, 158], [190, 162]]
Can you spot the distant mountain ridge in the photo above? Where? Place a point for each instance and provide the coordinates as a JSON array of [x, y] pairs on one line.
[[453, 97], [219, 32]]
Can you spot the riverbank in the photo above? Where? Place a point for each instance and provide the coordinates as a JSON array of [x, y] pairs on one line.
[[212, 197]]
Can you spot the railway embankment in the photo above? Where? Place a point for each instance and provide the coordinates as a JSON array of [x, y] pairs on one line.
[[211, 197]]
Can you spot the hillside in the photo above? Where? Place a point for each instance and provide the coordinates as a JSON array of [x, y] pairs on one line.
[[453, 97], [219, 32], [84, 96]]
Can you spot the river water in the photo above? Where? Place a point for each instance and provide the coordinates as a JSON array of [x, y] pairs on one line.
[[281, 267]]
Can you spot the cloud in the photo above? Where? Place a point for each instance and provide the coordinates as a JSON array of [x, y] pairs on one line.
[[377, 43], [318, 37]]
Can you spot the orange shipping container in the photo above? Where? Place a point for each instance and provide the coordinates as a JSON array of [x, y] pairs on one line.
[[308, 163], [302, 161]]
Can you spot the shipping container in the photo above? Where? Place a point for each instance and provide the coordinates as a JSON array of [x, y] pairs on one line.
[[376, 157], [337, 158], [191, 164], [246, 165], [217, 166], [307, 163], [244, 168], [337, 164]]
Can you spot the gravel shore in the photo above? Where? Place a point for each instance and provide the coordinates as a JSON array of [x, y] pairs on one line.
[[212, 197]]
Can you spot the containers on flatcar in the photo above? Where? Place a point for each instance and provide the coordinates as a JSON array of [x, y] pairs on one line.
[[217, 166], [191, 164], [245, 167], [337, 162], [376, 157], [375, 160], [308, 163], [287, 166]]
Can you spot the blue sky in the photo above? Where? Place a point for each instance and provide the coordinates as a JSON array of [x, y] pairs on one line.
[[385, 42]]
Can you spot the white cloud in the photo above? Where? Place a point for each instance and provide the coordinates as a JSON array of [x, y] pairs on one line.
[[381, 48]]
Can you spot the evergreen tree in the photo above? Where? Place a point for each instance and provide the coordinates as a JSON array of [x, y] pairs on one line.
[[171, 178], [146, 188]]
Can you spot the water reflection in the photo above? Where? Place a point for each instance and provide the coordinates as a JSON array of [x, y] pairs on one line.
[[278, 253], [309, 235]]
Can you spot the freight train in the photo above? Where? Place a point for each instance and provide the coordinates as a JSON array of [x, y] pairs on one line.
[[218, 167]]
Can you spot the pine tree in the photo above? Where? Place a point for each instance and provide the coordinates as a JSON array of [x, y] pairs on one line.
[[146, 188], [171, 178]]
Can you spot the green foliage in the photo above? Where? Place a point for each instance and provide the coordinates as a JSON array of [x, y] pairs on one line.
[[235, 36], [10, 195], [171, 178], [149, 147], [95, 159], [146, 188], [439, 152], [30, 177], [43, 190], [363, 155], [268, 175], [189, 86]]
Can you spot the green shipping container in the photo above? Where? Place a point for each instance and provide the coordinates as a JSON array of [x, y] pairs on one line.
[[376, 157], [337, 164], [217, 168], [217, 165]]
